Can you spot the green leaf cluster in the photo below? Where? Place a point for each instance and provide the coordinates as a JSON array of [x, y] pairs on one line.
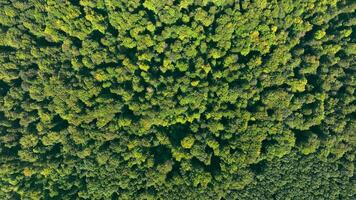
[[177, 99]]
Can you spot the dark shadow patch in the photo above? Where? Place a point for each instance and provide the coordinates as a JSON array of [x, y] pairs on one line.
[[42, 42], [315, 81], [176, 133], [270, 112], [252, 54], [208, 150], [301, 136], [17, 82], [75, 2], [105, 146], [84, 72], [2, 117], [174, 171], [318, 130], [4, 88], [15, 196], [114, 196], [53, 153], [266, 143], [214, 167], [253, 108], [197, 163], [129, 53], [9, 150], [106, 93], [239, 83], [161, 154], [126, 112], [151, 16], [259, 168], [242, 10], [324, 59], [76, 42], [105, 65], [96, 35], [112, 30], [31, 128], [60, 124], [6, 49]]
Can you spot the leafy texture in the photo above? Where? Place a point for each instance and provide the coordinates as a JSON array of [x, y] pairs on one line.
[[184, 99]]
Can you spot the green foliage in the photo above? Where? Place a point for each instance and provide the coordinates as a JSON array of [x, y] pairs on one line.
[[187, 142], [187, 99]]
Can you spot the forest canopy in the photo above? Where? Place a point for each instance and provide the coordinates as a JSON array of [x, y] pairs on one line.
[[177, 99]]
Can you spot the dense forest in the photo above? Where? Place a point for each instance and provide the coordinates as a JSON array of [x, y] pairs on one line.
[[177, 99]]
